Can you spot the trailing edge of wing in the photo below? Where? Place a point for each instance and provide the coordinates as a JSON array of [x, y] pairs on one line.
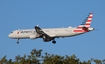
[[41, 32]]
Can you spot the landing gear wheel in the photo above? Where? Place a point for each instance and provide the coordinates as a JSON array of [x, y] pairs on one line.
[[17, 42], [54, 42]]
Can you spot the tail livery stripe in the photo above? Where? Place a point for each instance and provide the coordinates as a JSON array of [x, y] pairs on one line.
[[79, 30], [86, 24], [87, 21]]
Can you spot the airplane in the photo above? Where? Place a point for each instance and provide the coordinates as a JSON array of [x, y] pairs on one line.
[[49, 34]]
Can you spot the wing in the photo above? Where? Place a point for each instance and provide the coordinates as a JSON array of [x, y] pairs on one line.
[[39, 30], [42, 33]]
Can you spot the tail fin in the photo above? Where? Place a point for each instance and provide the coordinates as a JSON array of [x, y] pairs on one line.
[[84, 27], [86, 23]]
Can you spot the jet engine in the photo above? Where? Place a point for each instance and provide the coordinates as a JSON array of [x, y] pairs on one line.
[[33, 37]]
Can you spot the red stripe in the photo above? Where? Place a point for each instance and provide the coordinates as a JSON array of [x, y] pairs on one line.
[[87, 24], [90, 16], [80, 31], [88, 20]]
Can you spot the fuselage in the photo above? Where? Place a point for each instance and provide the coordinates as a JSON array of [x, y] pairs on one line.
[[58, 32]]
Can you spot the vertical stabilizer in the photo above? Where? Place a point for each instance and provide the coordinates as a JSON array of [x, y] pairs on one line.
[[87, 22], [84, 27]]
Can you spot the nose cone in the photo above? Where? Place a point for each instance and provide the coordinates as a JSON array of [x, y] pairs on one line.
[[10, 35], [14, 36]]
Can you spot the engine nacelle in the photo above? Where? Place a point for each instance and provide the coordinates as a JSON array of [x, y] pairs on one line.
[[32, 36]]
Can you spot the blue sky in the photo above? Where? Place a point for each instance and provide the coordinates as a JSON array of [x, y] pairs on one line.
[[21, 14]]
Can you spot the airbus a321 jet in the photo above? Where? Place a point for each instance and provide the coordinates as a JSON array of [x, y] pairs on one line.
[[49, 34]]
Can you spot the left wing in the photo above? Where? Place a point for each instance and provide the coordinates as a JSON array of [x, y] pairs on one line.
[[42, 33]]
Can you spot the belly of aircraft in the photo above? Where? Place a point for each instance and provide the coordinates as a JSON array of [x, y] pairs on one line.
[[64, 34]]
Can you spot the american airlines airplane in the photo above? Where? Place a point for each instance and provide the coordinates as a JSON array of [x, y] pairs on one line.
[[49, 34]]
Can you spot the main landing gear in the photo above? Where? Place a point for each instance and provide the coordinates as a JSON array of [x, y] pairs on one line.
[[54, 42], [17, 41]]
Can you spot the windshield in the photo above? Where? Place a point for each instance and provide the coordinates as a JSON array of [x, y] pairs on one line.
[[11, 32]]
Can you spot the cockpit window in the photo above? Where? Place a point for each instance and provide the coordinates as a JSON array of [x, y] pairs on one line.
[[11, 32]]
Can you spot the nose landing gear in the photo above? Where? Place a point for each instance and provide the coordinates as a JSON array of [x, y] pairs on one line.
[[17, 41]]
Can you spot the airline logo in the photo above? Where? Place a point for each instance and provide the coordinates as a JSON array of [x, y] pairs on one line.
[[26, 31]]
